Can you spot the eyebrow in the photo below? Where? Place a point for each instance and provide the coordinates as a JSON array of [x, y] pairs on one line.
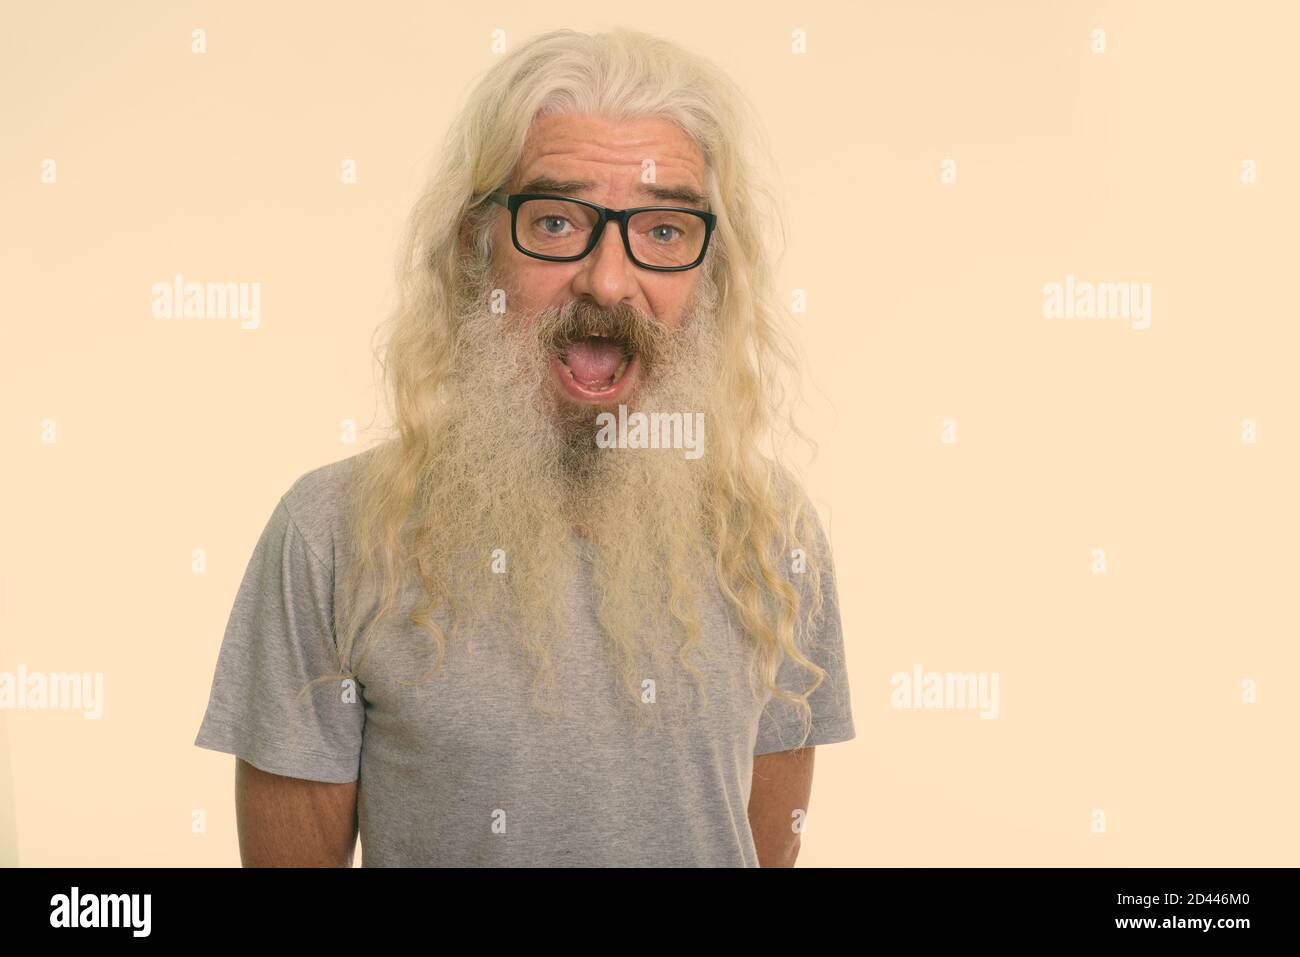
[[679, 194]]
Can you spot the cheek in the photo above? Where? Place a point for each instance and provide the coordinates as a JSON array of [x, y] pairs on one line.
[[535, 285], [512, 275], [671, 309]]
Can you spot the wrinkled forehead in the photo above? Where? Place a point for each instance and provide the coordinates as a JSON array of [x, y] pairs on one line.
[[596, 157]]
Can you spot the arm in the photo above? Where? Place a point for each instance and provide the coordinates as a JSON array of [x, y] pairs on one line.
[[782, 785], [292, 822]]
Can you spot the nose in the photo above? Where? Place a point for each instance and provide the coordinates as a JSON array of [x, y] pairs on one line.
[[606, 274]]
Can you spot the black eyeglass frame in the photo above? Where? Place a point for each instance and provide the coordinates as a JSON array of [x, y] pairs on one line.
[[604, 214]]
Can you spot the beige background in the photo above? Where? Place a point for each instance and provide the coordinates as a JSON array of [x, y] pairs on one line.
[[1119, 691]]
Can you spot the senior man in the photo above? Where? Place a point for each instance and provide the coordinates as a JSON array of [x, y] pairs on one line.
[[494, 639]]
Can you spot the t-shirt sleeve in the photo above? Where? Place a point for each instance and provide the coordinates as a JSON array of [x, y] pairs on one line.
[[780, 725], [279, 638]]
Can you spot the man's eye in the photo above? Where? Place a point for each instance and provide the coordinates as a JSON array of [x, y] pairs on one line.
[[661, 237]]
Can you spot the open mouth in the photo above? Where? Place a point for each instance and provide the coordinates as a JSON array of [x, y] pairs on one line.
[[595, 366]]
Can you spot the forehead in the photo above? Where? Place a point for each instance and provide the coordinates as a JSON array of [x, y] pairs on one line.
[[607, 151]]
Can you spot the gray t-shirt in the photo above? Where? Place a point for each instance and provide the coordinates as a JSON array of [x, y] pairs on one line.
[[460, 770]]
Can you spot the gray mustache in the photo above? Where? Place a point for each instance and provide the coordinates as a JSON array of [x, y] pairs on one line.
[[646, 337]]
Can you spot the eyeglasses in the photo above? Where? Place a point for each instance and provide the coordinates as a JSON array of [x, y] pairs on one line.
[[561, 229]]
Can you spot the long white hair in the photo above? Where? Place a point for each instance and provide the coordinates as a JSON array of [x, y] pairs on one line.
[[756, 513]]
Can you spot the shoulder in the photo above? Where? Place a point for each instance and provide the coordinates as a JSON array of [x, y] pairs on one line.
[[808, 529], [316, 505]]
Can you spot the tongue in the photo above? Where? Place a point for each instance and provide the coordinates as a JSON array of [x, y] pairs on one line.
[[593, 360]]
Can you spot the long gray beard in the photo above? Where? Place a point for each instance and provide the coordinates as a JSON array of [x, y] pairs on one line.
[[518, 470]]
